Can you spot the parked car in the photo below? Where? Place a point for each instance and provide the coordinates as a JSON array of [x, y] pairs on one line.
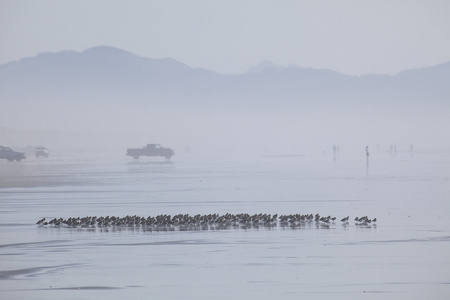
[[10, 154], [41, 151], [151, 150]]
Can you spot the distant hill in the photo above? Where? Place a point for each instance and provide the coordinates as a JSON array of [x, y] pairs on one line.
[[100, 71], [107, 72]]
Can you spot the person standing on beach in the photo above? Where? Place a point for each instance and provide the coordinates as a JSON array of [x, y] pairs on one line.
[[367, 153]]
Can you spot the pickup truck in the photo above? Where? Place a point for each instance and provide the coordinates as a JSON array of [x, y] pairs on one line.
[[151, 150], [11, 155]]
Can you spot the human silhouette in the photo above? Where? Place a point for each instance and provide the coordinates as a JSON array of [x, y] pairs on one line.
[[367, 154]]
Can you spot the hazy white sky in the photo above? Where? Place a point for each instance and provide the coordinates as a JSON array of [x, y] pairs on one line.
[[350, 36]]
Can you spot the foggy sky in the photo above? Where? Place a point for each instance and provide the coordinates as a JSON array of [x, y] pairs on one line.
[[352, 37]]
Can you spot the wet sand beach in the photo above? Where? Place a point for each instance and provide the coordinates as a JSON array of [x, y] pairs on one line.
[[405, 256]]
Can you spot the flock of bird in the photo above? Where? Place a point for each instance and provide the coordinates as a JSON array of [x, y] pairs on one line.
[[202, 222]]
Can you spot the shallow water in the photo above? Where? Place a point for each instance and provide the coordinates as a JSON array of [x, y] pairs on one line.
[[405, 256]]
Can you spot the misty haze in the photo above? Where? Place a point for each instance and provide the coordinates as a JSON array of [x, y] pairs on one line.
[[207, 169], [109, 98]]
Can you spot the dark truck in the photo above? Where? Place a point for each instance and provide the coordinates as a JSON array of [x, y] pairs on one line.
[[10, 154], [151, 150]]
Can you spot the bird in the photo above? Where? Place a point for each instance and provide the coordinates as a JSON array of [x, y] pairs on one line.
[[345, 219]]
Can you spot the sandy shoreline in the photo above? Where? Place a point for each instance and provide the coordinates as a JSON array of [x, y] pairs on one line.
[[8, 181], [30, 175]]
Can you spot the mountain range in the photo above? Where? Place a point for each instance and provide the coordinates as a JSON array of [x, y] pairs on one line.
[[109, 73]]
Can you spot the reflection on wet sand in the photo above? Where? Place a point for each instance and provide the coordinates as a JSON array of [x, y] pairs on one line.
[[30, 272]]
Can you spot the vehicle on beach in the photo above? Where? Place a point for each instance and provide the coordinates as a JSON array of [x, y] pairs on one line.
[[150, 150], [41, 151], [10, 154]]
